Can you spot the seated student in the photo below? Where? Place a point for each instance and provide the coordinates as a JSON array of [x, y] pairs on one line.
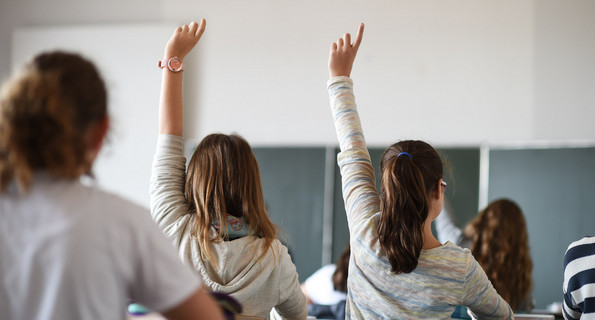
[[579, 280], [499, 241], [69, 250], [215, 212], [326, 289], [398, 269]]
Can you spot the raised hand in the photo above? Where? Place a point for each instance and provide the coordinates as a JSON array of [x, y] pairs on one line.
[[171, 116], [342, 54], [184, 39]]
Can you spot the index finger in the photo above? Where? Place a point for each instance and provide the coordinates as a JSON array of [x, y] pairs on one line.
[[359, 36], [201, 28]]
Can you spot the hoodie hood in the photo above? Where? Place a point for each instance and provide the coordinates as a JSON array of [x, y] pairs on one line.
[[239, 274]]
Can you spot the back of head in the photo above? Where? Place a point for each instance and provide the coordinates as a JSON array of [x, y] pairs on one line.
[[500, 243], [410, 170], [46, 111], [223, 177]]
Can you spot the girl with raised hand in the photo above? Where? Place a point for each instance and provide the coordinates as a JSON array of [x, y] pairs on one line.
[[69, 250], [215, 211], [398, 270]]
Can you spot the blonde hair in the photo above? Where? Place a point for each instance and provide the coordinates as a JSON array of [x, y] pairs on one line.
[[500, 243], [223, 177], [45, 112]]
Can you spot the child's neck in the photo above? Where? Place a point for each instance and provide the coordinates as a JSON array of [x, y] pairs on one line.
[[430, 242]]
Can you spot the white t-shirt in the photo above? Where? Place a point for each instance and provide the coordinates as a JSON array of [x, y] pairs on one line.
[[319, 287], [69, 251]]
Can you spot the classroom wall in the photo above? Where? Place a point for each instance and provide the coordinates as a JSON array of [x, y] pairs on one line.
[[458, 72]]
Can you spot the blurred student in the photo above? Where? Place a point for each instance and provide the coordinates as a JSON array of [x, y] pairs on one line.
[[579, 280], [398, 270], [499, 241], [214, 211], [69, 250], [326, 289]]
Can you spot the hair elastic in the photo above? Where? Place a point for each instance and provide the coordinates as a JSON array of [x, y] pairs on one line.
[[405, 154]]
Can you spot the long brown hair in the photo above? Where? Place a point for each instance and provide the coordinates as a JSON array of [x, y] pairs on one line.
[[223, 177], [501, 246], [406, 183], [46, 111]]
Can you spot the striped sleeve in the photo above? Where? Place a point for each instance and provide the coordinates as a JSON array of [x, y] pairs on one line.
[[481, 297], [359, 185], [579, 279]]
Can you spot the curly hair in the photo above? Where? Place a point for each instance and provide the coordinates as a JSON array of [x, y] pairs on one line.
[[500, 243], [45, 112]]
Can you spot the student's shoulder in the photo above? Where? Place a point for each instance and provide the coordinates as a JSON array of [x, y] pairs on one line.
[[588, 240], [450, 254], [453, 249], [579, 249], [111, 205]]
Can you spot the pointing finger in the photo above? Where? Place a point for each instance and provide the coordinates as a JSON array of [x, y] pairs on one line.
[[201, 28], [359, 36]]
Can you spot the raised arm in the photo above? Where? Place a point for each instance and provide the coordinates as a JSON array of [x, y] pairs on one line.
[[182, 41], [168, 204], [446, 229], [359, 186]]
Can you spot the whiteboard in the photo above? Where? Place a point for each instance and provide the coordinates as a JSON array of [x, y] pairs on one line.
[[126, 56]]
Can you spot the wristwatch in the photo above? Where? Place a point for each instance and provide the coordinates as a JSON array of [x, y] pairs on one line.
[[174, 64]]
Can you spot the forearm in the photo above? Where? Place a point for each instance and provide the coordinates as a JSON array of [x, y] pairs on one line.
[[171, 114], [344, 110]]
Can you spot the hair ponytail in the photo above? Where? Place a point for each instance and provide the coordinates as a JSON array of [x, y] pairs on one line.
[[407, 180]]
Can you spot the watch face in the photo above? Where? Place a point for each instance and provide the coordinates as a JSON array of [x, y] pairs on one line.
[[174, 64]]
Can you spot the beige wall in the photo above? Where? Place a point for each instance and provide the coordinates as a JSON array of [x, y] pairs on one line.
[[451, 72]]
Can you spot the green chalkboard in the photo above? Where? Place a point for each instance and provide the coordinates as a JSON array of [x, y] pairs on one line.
[[556, 190], [461, 171], [293, 187]]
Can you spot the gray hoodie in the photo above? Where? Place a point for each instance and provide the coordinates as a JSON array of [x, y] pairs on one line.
[[259, 281]]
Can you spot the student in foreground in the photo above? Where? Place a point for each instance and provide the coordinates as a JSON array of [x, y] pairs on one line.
[[215, 212], [398, 270], [68, 250]]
